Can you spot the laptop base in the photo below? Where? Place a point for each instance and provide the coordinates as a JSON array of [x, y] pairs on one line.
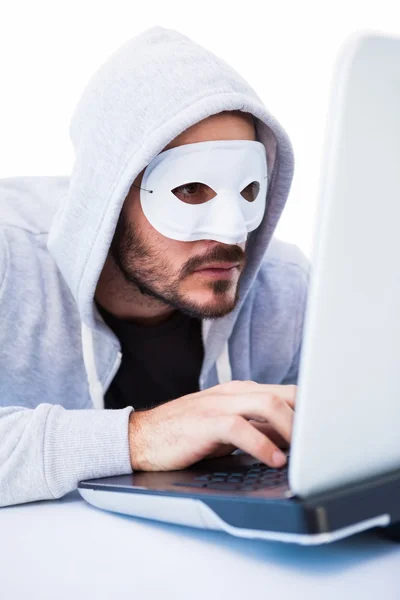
[[273, 513]]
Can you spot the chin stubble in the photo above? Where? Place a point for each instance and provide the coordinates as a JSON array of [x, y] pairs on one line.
[[127, 243]]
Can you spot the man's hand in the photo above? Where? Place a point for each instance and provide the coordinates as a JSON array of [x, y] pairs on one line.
[[257, 418]]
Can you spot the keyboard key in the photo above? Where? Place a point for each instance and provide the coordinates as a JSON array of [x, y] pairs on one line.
[[258, 476]]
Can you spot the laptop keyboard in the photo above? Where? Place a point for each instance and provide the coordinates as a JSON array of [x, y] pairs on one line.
[[258, 476]]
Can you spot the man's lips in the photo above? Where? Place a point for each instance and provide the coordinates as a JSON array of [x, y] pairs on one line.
[[221, 271], [219, 266]]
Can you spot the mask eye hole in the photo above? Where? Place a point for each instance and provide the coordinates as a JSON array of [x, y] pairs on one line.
[[194, 192], [250, 192]]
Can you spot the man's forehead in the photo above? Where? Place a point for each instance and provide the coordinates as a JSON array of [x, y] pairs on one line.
[[224, 125]]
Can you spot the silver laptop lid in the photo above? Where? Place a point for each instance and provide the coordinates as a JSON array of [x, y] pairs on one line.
[[347, 423]]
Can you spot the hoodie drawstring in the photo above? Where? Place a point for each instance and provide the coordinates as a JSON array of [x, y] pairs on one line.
[[95, 386], [223, 365]]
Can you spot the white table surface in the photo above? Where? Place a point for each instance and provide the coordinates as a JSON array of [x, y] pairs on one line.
[[68, 549]]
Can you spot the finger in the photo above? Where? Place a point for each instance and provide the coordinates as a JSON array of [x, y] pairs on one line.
[[237, 431], [270, 432], [263, 407], [286, 392]]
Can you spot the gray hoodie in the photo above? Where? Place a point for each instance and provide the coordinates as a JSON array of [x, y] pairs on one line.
[[57, 355]]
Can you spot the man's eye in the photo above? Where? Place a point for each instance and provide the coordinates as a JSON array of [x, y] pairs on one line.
[[250, 192], [194, 192]]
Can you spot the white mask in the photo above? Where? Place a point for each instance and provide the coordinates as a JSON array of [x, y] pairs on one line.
[[223, 195]]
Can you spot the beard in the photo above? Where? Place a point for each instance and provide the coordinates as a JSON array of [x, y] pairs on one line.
[[145, 267]]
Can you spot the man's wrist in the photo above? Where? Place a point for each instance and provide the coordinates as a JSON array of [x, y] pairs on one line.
[[135, 443], [131, 427]]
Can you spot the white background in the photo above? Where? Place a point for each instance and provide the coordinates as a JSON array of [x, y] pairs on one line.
[[285, 49]]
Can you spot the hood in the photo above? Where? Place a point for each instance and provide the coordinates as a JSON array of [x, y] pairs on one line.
[[151, 89]]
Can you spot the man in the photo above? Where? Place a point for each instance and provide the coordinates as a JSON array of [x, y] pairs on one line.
[[147, 285]]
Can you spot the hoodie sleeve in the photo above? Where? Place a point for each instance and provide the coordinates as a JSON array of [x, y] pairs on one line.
[[46, 451], [304, 271]]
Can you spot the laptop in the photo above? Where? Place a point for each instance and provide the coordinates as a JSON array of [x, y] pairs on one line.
[[343, 469]]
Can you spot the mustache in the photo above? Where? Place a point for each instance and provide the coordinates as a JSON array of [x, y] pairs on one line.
[[218, 254]]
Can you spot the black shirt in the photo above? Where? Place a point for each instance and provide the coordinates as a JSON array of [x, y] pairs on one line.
[[159, 362]]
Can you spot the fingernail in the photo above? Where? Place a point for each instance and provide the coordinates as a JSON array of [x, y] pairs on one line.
[[278, 458]]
